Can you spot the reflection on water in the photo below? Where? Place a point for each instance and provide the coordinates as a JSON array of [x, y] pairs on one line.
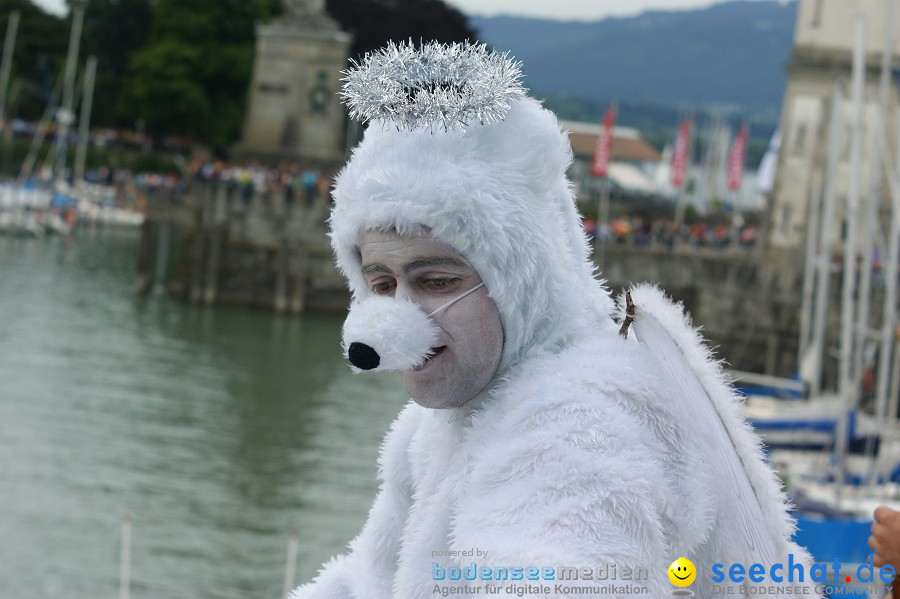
[[219, 430]]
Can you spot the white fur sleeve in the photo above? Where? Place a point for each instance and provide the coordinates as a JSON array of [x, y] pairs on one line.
[[368, 569]]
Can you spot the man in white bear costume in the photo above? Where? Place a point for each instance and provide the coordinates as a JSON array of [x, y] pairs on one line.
[[560, 442]]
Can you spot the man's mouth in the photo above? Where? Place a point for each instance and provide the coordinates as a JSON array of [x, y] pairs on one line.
[[435, 352]]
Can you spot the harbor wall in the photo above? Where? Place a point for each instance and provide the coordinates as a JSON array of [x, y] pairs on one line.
[[746, 301]]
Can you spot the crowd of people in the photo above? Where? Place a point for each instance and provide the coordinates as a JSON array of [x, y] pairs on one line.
[[306, 186], [298, 184], [638, 231]]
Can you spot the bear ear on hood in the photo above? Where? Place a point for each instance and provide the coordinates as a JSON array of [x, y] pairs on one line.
[[454, 145]]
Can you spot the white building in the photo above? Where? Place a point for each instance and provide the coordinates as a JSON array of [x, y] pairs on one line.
[[823, 43]]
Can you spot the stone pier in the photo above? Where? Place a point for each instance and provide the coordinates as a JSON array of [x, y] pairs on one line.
[[229, 245]]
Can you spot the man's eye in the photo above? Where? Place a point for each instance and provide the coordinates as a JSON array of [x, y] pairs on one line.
[[439, 284], [382, 287]]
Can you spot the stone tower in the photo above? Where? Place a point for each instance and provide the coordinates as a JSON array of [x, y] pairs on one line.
[[294, 112], [823, 46]]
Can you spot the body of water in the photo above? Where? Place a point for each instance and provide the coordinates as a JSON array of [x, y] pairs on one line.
[[218, 430]]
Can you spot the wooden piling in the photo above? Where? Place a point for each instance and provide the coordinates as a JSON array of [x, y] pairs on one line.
[[160, 274], [142, 285], [212, 265], [197, 254], [197, 268], [282, 259], [300, 265]]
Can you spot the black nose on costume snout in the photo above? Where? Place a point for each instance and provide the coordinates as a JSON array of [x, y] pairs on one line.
[[362, 356]]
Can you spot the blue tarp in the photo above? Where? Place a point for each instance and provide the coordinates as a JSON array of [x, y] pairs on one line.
[[843, 539], [63, 200], [833, 538]]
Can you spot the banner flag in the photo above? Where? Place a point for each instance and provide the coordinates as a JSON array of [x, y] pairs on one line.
[[680, 155], [736, 159], [603, 151]]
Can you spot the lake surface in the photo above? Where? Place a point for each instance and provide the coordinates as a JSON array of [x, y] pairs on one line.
[[218, 430]]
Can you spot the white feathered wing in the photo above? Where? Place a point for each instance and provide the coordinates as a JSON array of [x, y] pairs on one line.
[[700, 388]]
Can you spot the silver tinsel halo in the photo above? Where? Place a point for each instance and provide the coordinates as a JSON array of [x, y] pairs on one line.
[[450, 85]]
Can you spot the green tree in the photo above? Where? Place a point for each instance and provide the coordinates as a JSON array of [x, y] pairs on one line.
[[40, 50], [192, 76], [114, 30], [165, 92]]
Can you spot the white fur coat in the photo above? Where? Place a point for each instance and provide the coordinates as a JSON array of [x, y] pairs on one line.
[[576, 455], [577, 460]]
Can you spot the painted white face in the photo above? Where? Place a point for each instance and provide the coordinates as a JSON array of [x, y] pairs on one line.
[[429, 274]]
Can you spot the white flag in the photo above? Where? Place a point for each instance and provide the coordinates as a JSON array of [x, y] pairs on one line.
[[765, 176]]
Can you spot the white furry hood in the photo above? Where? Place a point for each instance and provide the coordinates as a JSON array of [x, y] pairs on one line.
[[498, 194]]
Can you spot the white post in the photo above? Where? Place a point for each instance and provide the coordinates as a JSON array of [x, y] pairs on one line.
[[9, 46], [84, 123], [603, 213], [602, 228], [679, 211], [291, 565], [846, 375], [125, 558], [823, 280]]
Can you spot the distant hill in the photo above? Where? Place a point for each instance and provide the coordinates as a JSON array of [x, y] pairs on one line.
[[732, 53]]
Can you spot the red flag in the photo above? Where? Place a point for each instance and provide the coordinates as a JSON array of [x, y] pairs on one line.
[[680, 155], [603, 151], [736, 159]]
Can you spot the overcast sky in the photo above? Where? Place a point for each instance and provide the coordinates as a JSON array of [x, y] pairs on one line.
[[554, 9], [572, 9]]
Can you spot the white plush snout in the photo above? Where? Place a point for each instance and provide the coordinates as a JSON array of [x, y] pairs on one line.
[[382, 333]]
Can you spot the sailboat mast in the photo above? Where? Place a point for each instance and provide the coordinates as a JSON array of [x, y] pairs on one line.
[[889, 317], [864, 293], [874, 199], [826, 235], [9, 45], [84, 123], [65, 116], [810, 272], [847, 378]]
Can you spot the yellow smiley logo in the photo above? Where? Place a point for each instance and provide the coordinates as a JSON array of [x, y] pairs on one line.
[[682, 572]]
